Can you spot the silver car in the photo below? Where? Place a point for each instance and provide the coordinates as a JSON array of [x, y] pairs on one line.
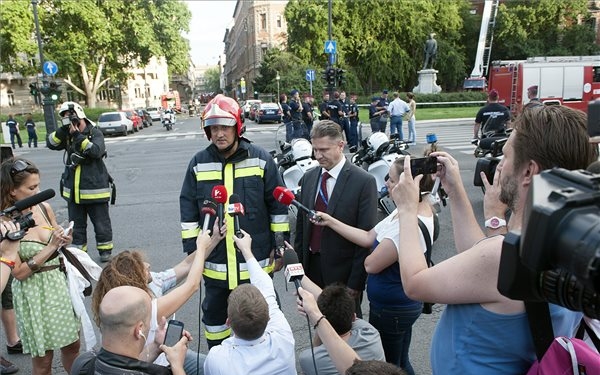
[[114, 123], [154, 112]]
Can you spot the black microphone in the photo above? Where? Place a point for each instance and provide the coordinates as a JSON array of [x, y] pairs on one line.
[[208, 209], [235, 209], [294, 272], [285, 196], [219, 195], [29, 201]]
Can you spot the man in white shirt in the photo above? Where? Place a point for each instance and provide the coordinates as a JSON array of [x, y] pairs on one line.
[[262, 341], [397, 109]]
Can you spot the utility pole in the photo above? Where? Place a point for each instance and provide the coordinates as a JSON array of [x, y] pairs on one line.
[[47, 102], [330, 36]]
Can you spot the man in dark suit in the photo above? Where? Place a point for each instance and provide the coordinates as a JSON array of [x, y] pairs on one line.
[[345, 192]]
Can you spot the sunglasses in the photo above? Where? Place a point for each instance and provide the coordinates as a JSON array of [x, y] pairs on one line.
[[18, 167]]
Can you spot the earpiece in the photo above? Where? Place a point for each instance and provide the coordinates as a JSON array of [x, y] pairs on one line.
[[142, 334]]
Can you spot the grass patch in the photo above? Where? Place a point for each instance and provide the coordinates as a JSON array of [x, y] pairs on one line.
[[440, 113]]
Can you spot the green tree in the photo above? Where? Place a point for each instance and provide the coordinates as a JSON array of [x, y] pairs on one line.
[[212, 76], [16, 44], [542, 28], [93, 41]]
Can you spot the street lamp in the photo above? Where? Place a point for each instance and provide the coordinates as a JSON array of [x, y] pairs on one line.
[[277, 78]]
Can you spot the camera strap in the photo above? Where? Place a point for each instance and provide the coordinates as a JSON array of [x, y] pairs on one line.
[[540, 326]]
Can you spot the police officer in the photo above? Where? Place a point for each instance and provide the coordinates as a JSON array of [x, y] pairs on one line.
[[335, 108], [299, 130], [85, 183], [324, 107], [353, 118], [307, 112], [344, 120], [250, 172]]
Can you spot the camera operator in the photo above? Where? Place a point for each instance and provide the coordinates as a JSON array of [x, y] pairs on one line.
[[85, 183], [490, 330]]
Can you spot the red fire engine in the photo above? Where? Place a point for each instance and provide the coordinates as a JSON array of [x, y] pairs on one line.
[[572, 81], [170, 100]]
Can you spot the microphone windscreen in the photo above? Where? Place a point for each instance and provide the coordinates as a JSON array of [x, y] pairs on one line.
[[209, 207], [35, 199], [234, 198], [219, 194], [290, 257], [283, 195]]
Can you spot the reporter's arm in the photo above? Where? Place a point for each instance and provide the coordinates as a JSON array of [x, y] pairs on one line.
[[383, 256], [176, 355], [358, 236], [9, 252], [492, 206], [23, 270]]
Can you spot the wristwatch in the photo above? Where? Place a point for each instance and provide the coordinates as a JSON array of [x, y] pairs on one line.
[[495, 222]]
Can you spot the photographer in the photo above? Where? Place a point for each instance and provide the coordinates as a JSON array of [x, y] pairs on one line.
[[482, 331], [85, 183]]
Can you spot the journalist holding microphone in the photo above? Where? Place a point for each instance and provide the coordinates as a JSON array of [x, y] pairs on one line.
[[45, 315]]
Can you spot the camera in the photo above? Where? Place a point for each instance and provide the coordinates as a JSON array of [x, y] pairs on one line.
[[25, 222], [423, 166], [71, 119], [556, 257], [488, 165]]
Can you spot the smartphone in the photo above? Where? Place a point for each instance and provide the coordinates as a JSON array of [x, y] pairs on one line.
[[174, 332], [426, 165], [68, 229]]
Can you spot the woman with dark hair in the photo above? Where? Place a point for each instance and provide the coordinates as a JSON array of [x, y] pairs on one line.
[[391, 311], [45, 315]]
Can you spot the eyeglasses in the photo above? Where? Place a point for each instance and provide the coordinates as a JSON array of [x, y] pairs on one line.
[[18, 167]]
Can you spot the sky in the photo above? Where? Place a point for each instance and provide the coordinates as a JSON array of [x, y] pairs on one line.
[[210, 19]]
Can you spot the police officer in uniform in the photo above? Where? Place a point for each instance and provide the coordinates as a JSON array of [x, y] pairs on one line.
[[297, 124], [353, 118], [85, 183], [307, 112], [324, 107]]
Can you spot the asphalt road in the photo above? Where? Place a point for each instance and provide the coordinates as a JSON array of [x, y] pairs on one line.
[[148, 168]]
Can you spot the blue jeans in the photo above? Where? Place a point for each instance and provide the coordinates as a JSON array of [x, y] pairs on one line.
[[396, 126], [194, 363], [412, 135], [395, 329]]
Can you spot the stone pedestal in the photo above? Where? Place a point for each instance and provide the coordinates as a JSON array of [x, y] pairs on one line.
[[427, 82]]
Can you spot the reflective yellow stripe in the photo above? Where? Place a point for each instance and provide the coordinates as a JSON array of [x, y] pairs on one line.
[[107, 246], [190, 233], [245, 275], [247, 172], [216, 275], [280, 227], [218, 335], [208, 176], [84, 143], [231, 251], [54, 139], [76, 183], [95, 196]]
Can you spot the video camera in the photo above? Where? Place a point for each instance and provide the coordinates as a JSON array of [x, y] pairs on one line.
[[71, 119], [488, 165], [25, 221], [556, 257]]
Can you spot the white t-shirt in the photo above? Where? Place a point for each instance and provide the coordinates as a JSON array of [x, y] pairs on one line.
[[389, 228]]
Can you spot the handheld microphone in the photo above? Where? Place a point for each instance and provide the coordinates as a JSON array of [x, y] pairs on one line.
[[208, 209], [219, 195], [293, 268], [285, 196], [235, 209], [29, 201]]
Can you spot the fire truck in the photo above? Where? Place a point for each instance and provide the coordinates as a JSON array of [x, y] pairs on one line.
[[572, 81], [171, 100]]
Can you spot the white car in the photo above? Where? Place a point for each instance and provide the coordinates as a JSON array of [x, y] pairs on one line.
[[154, 112], [247, 104], [114, 123]]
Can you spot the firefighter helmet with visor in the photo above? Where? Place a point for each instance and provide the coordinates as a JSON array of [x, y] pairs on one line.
[[223, 111], [73, 107]]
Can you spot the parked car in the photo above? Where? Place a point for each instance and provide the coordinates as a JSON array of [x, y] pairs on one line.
[[253, 109], [154, 113], [268, 112], [114, 123], [146, 118], [133, 116], [247, 104]]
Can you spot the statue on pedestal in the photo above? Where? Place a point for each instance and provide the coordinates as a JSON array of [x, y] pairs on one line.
[[430, 50]]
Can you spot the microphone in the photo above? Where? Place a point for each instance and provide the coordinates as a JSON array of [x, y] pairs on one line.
[[235, 209], [208, 209], [219, 195], [29, 201], [285, 196], [293, 268]]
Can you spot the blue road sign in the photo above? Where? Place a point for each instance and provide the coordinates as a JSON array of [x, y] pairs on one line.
[[310, 75], [50, 68], [330, 46]]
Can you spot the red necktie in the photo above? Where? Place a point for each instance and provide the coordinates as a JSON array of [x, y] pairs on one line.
[[320, 205]]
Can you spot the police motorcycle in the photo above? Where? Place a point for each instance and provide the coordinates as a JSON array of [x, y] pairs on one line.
[[489, 152], [168, 119], [293, 159]]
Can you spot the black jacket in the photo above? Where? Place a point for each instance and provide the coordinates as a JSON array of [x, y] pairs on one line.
[[107, 363]]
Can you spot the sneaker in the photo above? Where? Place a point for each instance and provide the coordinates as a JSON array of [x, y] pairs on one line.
[[105, 256], [7, 367], [16, 348]]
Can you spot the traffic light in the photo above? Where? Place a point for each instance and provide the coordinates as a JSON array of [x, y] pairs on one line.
[[33, 89], [54, 91], [331, 77], [341, 78]]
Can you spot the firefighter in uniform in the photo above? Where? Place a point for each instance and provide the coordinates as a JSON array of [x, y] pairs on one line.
[[250, 172], [85, 184]]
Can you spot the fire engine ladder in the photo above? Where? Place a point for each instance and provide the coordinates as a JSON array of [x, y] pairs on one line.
[[513, 87], [487, 51]]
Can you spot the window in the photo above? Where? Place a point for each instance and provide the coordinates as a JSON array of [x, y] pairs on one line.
[[263, 21], [11, 97], [138, 92], [279, 21]]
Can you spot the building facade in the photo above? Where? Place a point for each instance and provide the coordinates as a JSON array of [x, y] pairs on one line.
[[258, 25]]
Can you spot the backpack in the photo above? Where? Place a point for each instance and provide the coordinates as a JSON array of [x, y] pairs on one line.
[[563, 356], [428, 306]]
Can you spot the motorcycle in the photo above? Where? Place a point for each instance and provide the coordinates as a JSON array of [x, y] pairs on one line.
[[489, 152], [168, 121]]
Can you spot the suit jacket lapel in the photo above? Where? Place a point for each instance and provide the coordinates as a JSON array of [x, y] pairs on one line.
[[340, 186], [312, 182]]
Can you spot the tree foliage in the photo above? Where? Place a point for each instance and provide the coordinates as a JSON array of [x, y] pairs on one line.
[[542, 28], [212, 76], [96, 40]]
